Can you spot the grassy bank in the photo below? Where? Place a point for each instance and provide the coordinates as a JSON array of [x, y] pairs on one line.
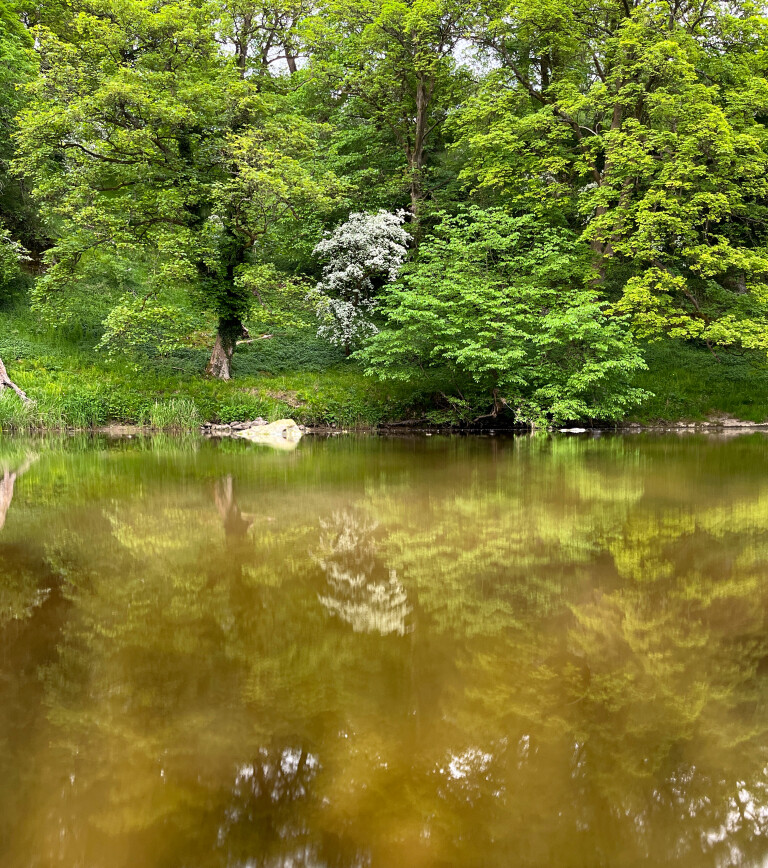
[[297, 375], [690, 384], [292, 374]]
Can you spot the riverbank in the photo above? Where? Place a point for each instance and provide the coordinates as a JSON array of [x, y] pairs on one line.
[[295, 375]]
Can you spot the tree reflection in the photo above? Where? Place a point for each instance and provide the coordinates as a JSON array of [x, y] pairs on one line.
[[8, 477], [235, 523], [588, 683], [263, 824], [361, 591]]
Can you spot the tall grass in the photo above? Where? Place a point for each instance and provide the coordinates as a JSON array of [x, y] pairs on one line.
[[15, 415], [178, 414]]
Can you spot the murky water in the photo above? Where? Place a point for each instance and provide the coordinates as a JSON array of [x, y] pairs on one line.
[[384, 652]]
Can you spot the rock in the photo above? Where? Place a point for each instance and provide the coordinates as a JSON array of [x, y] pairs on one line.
[[573, 430], [244, 426], [284, 433], [231, 428]]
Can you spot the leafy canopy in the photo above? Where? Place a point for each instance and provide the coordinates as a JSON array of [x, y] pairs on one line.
[[642, 126], [145, 140], [505, 304]]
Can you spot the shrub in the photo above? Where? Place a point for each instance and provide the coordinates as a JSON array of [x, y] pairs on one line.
[[504, 306]]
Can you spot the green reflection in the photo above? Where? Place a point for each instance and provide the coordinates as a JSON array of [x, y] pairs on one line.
[[371, 652]]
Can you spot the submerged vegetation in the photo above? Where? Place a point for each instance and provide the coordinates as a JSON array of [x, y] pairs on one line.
[[357, 212]]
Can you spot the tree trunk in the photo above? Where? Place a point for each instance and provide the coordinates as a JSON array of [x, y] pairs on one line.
[[230, 330], [235, 523], [7, 383], [417, 193], [416, 160]]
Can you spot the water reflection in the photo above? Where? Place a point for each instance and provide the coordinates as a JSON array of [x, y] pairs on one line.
[[361, 590], [235, 523], [9, 473], [425, 653], [263, 823]]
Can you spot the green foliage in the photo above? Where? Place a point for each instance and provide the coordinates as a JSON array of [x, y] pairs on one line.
[[504, 304], [689, 383], [396, 59], [17, 221], [293, 374], [169, 175], [642, 126], [11, 255], [145, 142], [286, 352]]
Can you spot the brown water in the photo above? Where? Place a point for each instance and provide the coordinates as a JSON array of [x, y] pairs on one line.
[[384, 652]]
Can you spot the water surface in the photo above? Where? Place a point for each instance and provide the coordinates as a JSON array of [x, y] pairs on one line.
[[384, 652]]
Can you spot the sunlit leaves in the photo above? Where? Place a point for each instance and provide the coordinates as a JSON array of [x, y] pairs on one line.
[[504, 304]]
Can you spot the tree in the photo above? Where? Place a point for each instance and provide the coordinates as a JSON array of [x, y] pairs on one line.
[[396, 59], [144, 140], [264, 33], [17, 219], [641, 125], [504, 306], [363, 254]]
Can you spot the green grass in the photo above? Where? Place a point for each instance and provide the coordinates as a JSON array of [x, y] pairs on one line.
[[690, 384], [176, 414], [296, 375], [291, 375]]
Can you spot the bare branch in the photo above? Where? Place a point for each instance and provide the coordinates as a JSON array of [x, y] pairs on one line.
[[7, 383]]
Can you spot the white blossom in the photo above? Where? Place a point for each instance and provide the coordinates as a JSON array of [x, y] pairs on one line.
[[362, 254]]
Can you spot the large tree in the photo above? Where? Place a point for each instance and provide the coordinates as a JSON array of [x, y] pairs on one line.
[[396, 62], [642, 124], [144, 139]]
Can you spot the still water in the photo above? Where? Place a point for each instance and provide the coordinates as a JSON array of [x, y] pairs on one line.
[[384, 652]]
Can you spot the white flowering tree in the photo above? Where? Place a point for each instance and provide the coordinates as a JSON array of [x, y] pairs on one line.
[[362, 255]]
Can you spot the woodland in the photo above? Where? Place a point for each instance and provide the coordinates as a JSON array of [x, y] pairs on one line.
[[531, 212]]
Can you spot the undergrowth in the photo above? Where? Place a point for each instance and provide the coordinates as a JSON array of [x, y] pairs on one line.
[[294, 374], [689, 383]]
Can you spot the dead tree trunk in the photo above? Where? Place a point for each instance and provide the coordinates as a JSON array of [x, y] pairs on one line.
[[7, 383]]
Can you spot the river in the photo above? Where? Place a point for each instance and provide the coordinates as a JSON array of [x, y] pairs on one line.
[[384, 652]]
